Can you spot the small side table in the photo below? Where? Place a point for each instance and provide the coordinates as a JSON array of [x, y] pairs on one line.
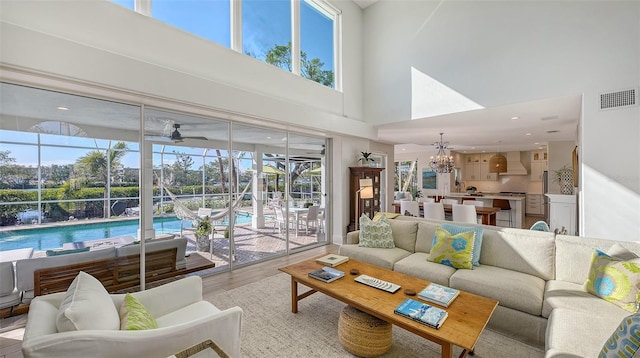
[[363, 335]]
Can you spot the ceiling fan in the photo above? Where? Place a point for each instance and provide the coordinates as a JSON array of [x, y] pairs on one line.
[[173, 135]]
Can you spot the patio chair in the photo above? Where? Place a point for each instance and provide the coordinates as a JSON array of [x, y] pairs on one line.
[[311, 218], [9, 294], [280, 221]]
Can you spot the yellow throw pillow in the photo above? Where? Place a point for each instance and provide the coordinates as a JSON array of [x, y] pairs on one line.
[[453, 250], [134, 316], [615, 280]]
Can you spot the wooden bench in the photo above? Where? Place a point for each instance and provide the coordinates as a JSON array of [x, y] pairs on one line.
[[117, 273]]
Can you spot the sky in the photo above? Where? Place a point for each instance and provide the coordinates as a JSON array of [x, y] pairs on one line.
[[265, 24]]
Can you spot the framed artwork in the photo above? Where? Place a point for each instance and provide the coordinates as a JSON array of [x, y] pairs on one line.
[[429, 179]]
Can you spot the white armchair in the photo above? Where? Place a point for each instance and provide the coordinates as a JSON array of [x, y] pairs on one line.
[[184, 319]]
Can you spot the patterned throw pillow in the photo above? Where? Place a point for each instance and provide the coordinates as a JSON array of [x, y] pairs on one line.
[[615, 280], [477, 242], [453, 250], [376, 233], [625, 340], [134, 316]]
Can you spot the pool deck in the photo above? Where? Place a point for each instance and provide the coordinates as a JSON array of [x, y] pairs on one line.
[[251, 244]]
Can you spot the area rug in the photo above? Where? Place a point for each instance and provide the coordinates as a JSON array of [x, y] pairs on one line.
[[269, 328]]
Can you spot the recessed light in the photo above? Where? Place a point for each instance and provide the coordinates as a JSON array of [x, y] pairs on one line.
[[515, 118], [536, 143], [540, 147], [527, 133], [63, 108], [268, 137]]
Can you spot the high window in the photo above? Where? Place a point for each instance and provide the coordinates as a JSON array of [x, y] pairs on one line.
[[266, 31], [209, 19], [298, 36], [316, 43]]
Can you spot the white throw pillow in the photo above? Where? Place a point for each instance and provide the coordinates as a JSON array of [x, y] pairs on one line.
[[87, 305]]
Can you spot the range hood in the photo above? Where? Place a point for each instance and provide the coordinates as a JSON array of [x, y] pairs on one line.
[[514, 167]]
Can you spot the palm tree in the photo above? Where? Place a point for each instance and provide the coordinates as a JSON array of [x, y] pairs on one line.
[[96, 166]]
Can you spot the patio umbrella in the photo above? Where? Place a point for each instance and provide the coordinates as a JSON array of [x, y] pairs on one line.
[[270, 169], [316, 171]]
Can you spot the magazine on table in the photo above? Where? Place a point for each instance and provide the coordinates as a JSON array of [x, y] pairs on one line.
[[326, 274], [438, 294], [423, 313], [332, 260]]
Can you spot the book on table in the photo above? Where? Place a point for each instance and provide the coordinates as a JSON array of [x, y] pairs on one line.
[[326, 274], [421, 312], [332, 260], [438, 294]]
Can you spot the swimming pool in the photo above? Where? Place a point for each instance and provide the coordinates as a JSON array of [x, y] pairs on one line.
[[47, 238]]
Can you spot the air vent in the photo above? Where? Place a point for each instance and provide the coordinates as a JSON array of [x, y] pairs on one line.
[[625, 98]]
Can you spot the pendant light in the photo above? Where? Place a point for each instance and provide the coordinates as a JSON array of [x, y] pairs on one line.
[[498, 162]]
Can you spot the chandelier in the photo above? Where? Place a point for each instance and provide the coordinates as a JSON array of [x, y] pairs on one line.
[[442, 163]]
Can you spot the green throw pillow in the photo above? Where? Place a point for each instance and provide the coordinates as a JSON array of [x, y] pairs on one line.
[[453, 250], [615, 280], [625, 340], [134, 316], [376, 233], [477, 242]]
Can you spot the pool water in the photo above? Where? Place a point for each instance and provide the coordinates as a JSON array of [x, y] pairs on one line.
[[47, 238]]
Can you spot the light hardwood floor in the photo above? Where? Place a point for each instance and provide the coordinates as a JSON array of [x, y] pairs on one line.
[[11, 341]]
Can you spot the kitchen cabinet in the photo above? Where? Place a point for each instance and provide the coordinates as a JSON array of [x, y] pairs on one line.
[[563, 213], [538, 165], [368, 207], [477, 168], [534, 204]]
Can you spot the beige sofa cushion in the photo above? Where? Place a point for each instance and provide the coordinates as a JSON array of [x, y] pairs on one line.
[[525, 251], [376, 256], [512, 289], [573, 255], [416, 265], [424, 238], [404, 234], [573, 333], [563, 294]]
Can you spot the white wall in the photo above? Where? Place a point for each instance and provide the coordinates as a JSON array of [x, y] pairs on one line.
[[502, 52], [559, 156]]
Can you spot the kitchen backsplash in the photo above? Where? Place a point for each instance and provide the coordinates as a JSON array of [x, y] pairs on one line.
[[508, 183]]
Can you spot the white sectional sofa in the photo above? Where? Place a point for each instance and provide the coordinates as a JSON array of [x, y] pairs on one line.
[[25, 268], [537, 277]]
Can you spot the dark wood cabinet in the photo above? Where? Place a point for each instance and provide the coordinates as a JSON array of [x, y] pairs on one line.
[[367, 206]]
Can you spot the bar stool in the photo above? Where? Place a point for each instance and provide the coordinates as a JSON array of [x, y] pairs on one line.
[[504, 205]]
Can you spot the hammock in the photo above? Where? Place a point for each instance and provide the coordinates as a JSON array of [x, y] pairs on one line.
[[185, 214]]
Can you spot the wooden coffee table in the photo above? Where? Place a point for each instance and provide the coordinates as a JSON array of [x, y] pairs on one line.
[[468, 314]]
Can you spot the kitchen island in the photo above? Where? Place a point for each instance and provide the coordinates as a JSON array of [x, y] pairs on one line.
[[516, 201]]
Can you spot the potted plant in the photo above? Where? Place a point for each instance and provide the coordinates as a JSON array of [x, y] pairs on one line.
[[204, 229], [365, 158], [564, 177]]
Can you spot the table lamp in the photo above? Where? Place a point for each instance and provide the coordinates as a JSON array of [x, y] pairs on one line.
[[365, 192]]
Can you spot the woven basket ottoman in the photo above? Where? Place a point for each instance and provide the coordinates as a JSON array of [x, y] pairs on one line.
[[362, 334]]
